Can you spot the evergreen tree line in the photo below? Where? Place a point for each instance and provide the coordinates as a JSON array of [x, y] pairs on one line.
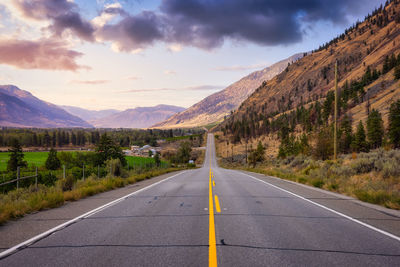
[[82, 137]]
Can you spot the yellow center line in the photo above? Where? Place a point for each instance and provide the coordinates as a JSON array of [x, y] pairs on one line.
[[213, 183], [212, 246], [217, 207]]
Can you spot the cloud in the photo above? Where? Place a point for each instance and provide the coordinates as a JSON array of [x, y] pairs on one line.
[[169, 72], [63, 14], [198, 23], [40, 54], [189, 88], [90, 82], [241, 68], [132, 78]]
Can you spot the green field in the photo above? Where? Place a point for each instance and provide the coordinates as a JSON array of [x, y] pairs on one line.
[[39, 159]]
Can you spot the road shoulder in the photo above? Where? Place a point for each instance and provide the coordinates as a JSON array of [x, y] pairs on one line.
[[377, 216]]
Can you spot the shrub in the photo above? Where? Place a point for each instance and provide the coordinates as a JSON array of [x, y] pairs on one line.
[[390, 168], [318, 183], [67, 183], [363, 165]]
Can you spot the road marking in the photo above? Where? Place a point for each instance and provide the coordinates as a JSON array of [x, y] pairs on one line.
[[217, 206], [329, 209], [34, 239], [213, 183], [212, 244]]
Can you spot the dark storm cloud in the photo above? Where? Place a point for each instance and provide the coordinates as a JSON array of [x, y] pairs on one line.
[[204, 24], [207, 24], [62, 13]]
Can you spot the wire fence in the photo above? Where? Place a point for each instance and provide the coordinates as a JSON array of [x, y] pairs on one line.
[[25, 177]]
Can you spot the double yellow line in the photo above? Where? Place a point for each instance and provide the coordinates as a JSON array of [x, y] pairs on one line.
[[212, 246]]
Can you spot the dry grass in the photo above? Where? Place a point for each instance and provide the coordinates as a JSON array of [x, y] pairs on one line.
[[19, 202], [372, 177]]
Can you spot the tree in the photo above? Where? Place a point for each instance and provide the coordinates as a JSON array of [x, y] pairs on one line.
[[360, 144], [324, 145], [375, 129], [394, 124], [183, 154], [397, 72], [16, 157], [257, 155], [346, 135], [108, 149], [52, 161], [157, 159]]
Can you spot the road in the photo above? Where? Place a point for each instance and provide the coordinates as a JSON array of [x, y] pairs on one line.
[[212, 216]]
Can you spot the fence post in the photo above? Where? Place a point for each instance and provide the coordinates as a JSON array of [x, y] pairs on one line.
[[98, 171], [18, 177], [36, 176], [83, 171], [64, 171]]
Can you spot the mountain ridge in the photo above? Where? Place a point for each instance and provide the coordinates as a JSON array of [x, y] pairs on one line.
[[214, 107]]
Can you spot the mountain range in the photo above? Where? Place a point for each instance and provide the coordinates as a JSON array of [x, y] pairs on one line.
[[19, 108], [215, 107], [140, 117]]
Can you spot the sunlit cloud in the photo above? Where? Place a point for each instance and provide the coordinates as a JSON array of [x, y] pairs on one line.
[[90, 82], [45, 54], [242, 68], [169, 72], [189, 88]]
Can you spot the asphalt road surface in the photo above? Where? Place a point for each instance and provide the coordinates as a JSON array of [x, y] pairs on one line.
[[212, 216]]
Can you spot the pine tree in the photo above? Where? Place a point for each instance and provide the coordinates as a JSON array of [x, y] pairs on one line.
[[346, 136], [360, 144], [375, 129], [16, 157], [108, 149], [394, 124], [397, 72], [52, 161]]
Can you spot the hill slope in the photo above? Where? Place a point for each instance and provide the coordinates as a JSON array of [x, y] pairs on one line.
[[19, 108], [361, 51], [141, 117], [214, 107]]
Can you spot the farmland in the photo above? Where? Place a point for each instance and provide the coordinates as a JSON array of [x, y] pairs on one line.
[[39, 158]]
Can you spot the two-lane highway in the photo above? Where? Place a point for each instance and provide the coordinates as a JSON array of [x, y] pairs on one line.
[[212, 216]]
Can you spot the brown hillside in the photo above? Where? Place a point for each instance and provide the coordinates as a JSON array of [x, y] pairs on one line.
[[310, 78]]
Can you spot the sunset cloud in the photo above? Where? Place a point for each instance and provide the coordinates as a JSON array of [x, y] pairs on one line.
[[189, 88], [90, 82], [39, 54], [241, 68]]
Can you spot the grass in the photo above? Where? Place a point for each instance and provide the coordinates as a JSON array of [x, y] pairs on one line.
[[22, 201], [33, 159], [39, 158], [372, 177]]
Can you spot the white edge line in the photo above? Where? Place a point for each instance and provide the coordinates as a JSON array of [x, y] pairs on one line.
[[329, 209], [28, 242]]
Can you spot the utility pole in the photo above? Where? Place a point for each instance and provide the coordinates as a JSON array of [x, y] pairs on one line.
[[336, 113]]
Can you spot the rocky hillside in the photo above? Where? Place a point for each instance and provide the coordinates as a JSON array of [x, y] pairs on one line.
[[141, 117], [19, 108], [366, 54], [214, 107]]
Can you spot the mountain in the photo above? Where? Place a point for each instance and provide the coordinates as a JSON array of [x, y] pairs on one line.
[[141, 117], [366, 54], [214, 107], [89, 115], [19, 108]]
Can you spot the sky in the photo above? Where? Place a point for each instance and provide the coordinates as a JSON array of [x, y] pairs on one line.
[[100, 54]]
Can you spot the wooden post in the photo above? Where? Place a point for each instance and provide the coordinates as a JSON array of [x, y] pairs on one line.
[[83, 171], [18, 172], [336, 113], [98, 171]]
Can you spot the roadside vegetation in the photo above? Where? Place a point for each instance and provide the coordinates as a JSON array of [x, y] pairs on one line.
[[85, 174]]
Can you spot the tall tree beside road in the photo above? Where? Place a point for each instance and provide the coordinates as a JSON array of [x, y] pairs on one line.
[[16, 157]]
